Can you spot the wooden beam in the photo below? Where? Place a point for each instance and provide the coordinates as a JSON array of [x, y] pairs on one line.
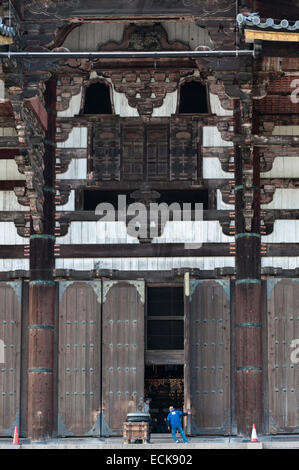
[[72, 216], [145, 250], [4, 40], [279, 49], [10, 216], [164, 357], [39, 110], [8, 142], [8, 153], [150, 251], [252, 34], [9, 185], [12, 251]]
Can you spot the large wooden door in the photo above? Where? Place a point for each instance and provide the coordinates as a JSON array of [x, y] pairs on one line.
[[10, 355], [79, 358], [283, 354], [122, 353], [208, 346]]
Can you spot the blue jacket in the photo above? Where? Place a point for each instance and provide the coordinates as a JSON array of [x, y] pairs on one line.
[[174, 418]]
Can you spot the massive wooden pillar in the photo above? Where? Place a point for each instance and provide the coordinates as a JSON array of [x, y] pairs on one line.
[[248, 323], [42, 294]]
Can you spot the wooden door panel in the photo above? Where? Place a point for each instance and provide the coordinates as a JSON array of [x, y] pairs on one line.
[[10, 355], [79, 358], [283, 367], [123, 352], [210, 356]]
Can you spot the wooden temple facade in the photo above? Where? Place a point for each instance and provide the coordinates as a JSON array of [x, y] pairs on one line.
[[205, 313]]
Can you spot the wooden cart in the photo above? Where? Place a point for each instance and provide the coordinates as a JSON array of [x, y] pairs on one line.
[[136, 431]]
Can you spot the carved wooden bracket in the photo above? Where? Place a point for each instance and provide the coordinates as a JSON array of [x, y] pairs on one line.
[[64, 191], [146, 90], [31, 140], [67, 86]]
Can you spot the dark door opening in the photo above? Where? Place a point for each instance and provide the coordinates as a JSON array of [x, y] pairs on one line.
[[164, 384], [164, 370]]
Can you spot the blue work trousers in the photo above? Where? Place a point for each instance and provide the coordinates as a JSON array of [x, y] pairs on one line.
[[180, 429]]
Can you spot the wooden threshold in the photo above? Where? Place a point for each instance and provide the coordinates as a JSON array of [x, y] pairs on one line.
[[164, 357]]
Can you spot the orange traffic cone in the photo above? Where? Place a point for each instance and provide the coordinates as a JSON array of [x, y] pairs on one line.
[[16, 436], [254, 435]]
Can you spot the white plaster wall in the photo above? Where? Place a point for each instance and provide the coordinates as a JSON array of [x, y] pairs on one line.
[[284, 231], [70, 205], [283, 167], [222, 205], [285, 130], [168, 107], [217, 108], [212, 138], [211, 168], [2, 90], [77, 139], [146, 264], [284, 198], [14, 264], [76, 170], [9, 202], [90, 232], [286, 262], [91, 36], [9, 235], [74, 106], [9, 171]]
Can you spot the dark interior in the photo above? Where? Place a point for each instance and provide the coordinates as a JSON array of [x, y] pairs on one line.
[[165, 333], [97, 99], [164, 384], [165, 301], [193, 98], [94, 197]]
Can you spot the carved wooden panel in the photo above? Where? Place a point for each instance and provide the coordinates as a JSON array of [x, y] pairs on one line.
[[129, 149], [157, 152], [133, 150], [183, 149], [106, 149]]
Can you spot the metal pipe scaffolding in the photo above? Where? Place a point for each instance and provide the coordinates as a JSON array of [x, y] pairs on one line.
[[124, 54]]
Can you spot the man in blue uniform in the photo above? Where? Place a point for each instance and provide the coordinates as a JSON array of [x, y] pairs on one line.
[[174, 421]]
